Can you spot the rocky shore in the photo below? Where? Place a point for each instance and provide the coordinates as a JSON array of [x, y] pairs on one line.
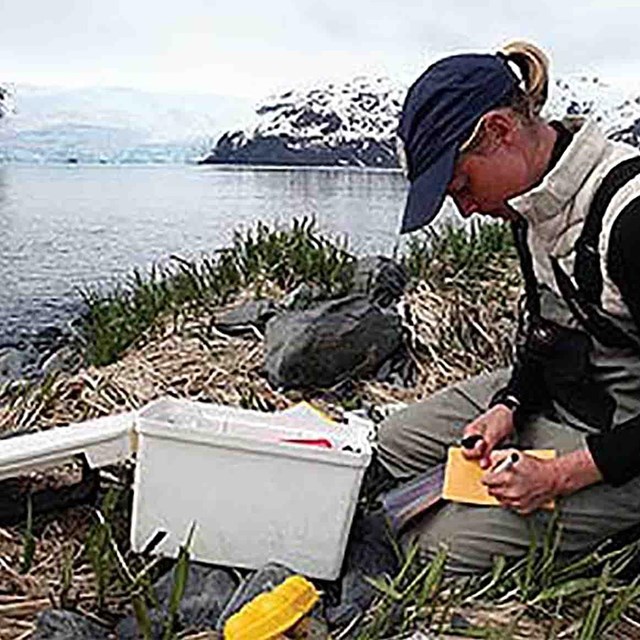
[[46, 352]]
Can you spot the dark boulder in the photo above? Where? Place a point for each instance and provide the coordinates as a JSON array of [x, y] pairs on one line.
[[251, 315], [335, 340], [303, 297], [17, 363], [382, 279], [57, 624], [206, 594]]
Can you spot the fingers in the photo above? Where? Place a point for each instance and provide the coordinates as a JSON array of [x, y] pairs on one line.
[[491, 461], [485, 461], [490, 441], [498, 480], [477, 451], [473, 443]]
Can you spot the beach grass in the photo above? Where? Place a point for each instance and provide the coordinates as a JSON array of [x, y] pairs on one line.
[[115, 318], [461, 299], [542, 595], [284, 257], [464, 256]]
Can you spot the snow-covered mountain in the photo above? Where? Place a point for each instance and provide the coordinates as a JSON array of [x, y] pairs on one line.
[[337, 124], [355, 123], [6, 99], [349, 124], [114, 125], [617, 111]]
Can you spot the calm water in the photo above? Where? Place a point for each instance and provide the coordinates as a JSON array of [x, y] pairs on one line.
[[62, 228]]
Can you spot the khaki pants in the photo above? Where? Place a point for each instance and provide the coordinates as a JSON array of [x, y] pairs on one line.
[[417, 437]]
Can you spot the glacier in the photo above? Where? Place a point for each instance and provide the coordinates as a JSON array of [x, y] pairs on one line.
[[111, 125]]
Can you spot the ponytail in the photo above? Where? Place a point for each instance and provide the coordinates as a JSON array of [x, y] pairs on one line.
[[527, 100], [533, 66]]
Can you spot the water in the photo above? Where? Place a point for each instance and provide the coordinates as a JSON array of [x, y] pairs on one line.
[[63, 228]]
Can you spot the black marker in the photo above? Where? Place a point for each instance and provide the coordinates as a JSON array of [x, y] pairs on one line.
[[469, 442]]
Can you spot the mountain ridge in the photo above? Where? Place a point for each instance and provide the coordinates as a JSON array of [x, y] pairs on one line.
[[354, 123]]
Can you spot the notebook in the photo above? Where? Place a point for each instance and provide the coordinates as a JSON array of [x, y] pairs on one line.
[[462, 478]]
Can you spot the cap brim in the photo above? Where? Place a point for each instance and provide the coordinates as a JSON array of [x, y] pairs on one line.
[[427, 192]]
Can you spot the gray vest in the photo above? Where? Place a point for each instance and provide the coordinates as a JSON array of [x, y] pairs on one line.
[[592, 385]]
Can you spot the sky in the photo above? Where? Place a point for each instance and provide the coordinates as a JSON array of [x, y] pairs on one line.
[[254, 48]]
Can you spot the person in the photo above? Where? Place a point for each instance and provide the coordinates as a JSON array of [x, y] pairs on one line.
[[471, 129]]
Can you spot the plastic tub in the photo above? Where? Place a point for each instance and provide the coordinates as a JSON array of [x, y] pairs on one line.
[[253, 497]]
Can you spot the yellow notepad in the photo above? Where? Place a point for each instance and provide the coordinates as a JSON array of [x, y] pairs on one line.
[[462, 478]]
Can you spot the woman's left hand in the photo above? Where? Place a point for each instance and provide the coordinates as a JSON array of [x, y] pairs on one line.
[[526, 486]]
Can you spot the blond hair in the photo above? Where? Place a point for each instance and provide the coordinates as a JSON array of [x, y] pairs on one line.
[[527, 101]]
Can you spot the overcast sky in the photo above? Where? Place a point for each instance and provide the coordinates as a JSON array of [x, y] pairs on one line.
[[257, 47]]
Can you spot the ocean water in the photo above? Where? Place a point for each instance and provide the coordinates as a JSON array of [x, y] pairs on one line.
[[63, 228]]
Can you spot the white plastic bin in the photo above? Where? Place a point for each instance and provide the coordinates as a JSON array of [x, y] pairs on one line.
[[253, 498]]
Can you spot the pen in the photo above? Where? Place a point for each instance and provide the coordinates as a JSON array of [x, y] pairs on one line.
[[507, 463]]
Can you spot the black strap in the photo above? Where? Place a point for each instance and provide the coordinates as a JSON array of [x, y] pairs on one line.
[[590, 316], [583, 298], [532, 302], [587, 269]]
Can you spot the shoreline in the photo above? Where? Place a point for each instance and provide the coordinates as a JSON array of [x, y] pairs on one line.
[[200, 165]]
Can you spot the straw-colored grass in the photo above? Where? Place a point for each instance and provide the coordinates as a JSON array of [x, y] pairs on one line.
[[459, 317]]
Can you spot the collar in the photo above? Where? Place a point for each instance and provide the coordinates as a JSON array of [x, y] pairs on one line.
[[545, 205]]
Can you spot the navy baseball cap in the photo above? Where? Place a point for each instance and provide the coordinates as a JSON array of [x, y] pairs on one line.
[[440, 113]]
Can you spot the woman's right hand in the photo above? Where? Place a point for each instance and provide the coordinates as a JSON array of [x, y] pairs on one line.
[[494, 426]]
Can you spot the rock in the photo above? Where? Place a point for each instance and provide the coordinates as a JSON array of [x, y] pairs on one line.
[[207, 592], [57, 624], [265, 579], [17, 363], [329, 343], [37, 354], [303, 297], [459, 622], [382, 279], [67, 359], [309, 629], [48, 339], [246, 317], [399, 370]]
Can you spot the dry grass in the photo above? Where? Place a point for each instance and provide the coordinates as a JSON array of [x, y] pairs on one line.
[[189, 358], [459, 321]]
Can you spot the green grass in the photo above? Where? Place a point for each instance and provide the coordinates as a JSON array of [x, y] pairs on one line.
[[584, 595], [453, 254], [286, 257], [115, 319], [29, 540]]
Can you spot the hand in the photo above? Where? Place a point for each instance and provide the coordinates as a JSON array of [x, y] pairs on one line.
[[495, 426], [526, 486]]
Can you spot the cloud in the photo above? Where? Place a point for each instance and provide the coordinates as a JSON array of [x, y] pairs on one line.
[[252, 47]]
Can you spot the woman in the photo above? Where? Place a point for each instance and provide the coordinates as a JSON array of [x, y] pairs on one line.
[[471, 129]]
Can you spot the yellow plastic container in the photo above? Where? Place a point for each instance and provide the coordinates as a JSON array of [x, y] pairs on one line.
[[270, 614]]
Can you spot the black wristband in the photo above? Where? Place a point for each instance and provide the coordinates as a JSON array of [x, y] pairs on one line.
[[506, 399]]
